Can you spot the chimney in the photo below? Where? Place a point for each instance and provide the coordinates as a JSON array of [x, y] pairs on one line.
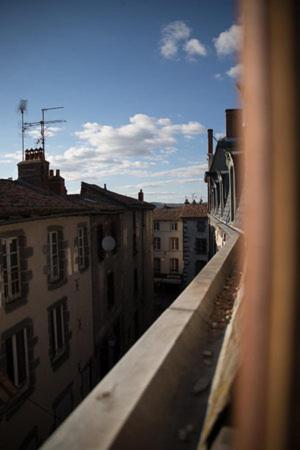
[[141, 196], [56, 183], [105, 186], [233, 117], [34, 169]]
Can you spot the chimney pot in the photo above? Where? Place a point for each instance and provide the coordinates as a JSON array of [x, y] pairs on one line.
[[105, 186], [57, 172], [141, 195], [51, 172], [233, 117]]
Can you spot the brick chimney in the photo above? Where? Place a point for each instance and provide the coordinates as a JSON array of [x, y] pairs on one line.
[[34, 169], [141, 196], [56, 183], [233, 118]]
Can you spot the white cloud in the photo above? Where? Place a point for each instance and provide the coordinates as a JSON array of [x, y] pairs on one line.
[[193, 48], [172, 34], [35, 133], [235, 71], [130, 149], [176, 36], [219, 135], [229, 41], [142, 136], [218, 76]]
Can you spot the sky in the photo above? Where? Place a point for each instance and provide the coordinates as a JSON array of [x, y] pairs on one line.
[[140, 83]]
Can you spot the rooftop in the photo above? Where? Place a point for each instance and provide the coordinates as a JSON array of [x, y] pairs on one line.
[[18, 199], [196, 210], [119, 199]]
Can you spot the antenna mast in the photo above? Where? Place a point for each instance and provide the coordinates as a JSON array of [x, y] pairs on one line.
[[42, 124], [22, 108]]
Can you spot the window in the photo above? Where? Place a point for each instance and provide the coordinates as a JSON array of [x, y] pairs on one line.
[[82, 245], [56, 262], [174, 265], [201, 246], [156, 243], [110, 289], [11, 269], [54, 255], [17, 365], [58, 328], [156, 225], [59, 334], [173, 226], [174, 244], [201, 225], [156, 265]]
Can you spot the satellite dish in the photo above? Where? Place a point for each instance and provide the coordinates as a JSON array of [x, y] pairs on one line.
[[108, 243]]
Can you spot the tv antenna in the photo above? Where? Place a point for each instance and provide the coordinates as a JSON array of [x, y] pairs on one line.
[[22, 108], [42, 124]]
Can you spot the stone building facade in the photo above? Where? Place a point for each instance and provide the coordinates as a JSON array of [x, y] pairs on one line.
[[224, 179], [70, 306], [195, 240], [180, 243]]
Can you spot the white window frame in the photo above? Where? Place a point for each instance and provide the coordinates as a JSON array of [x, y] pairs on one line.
[[8, 282], [52, 254], [174, 244], [174, 226], [58, 309], [15, 358], [174, 265], [81, 247]]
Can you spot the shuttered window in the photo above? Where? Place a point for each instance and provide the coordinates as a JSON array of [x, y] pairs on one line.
[[58, 329], [11, 268], [54, 255], [17, 366]]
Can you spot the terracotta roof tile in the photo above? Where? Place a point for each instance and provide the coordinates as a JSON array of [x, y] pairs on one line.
[[167, 213], [183, 212], [197, 210], [18, 199], [114, 196]]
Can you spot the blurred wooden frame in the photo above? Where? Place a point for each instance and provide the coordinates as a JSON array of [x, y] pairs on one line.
[[267, 392]]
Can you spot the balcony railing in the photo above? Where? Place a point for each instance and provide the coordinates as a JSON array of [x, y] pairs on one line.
[[148, 400]]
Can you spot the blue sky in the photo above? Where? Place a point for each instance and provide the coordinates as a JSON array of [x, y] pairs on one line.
[[140, 83]]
